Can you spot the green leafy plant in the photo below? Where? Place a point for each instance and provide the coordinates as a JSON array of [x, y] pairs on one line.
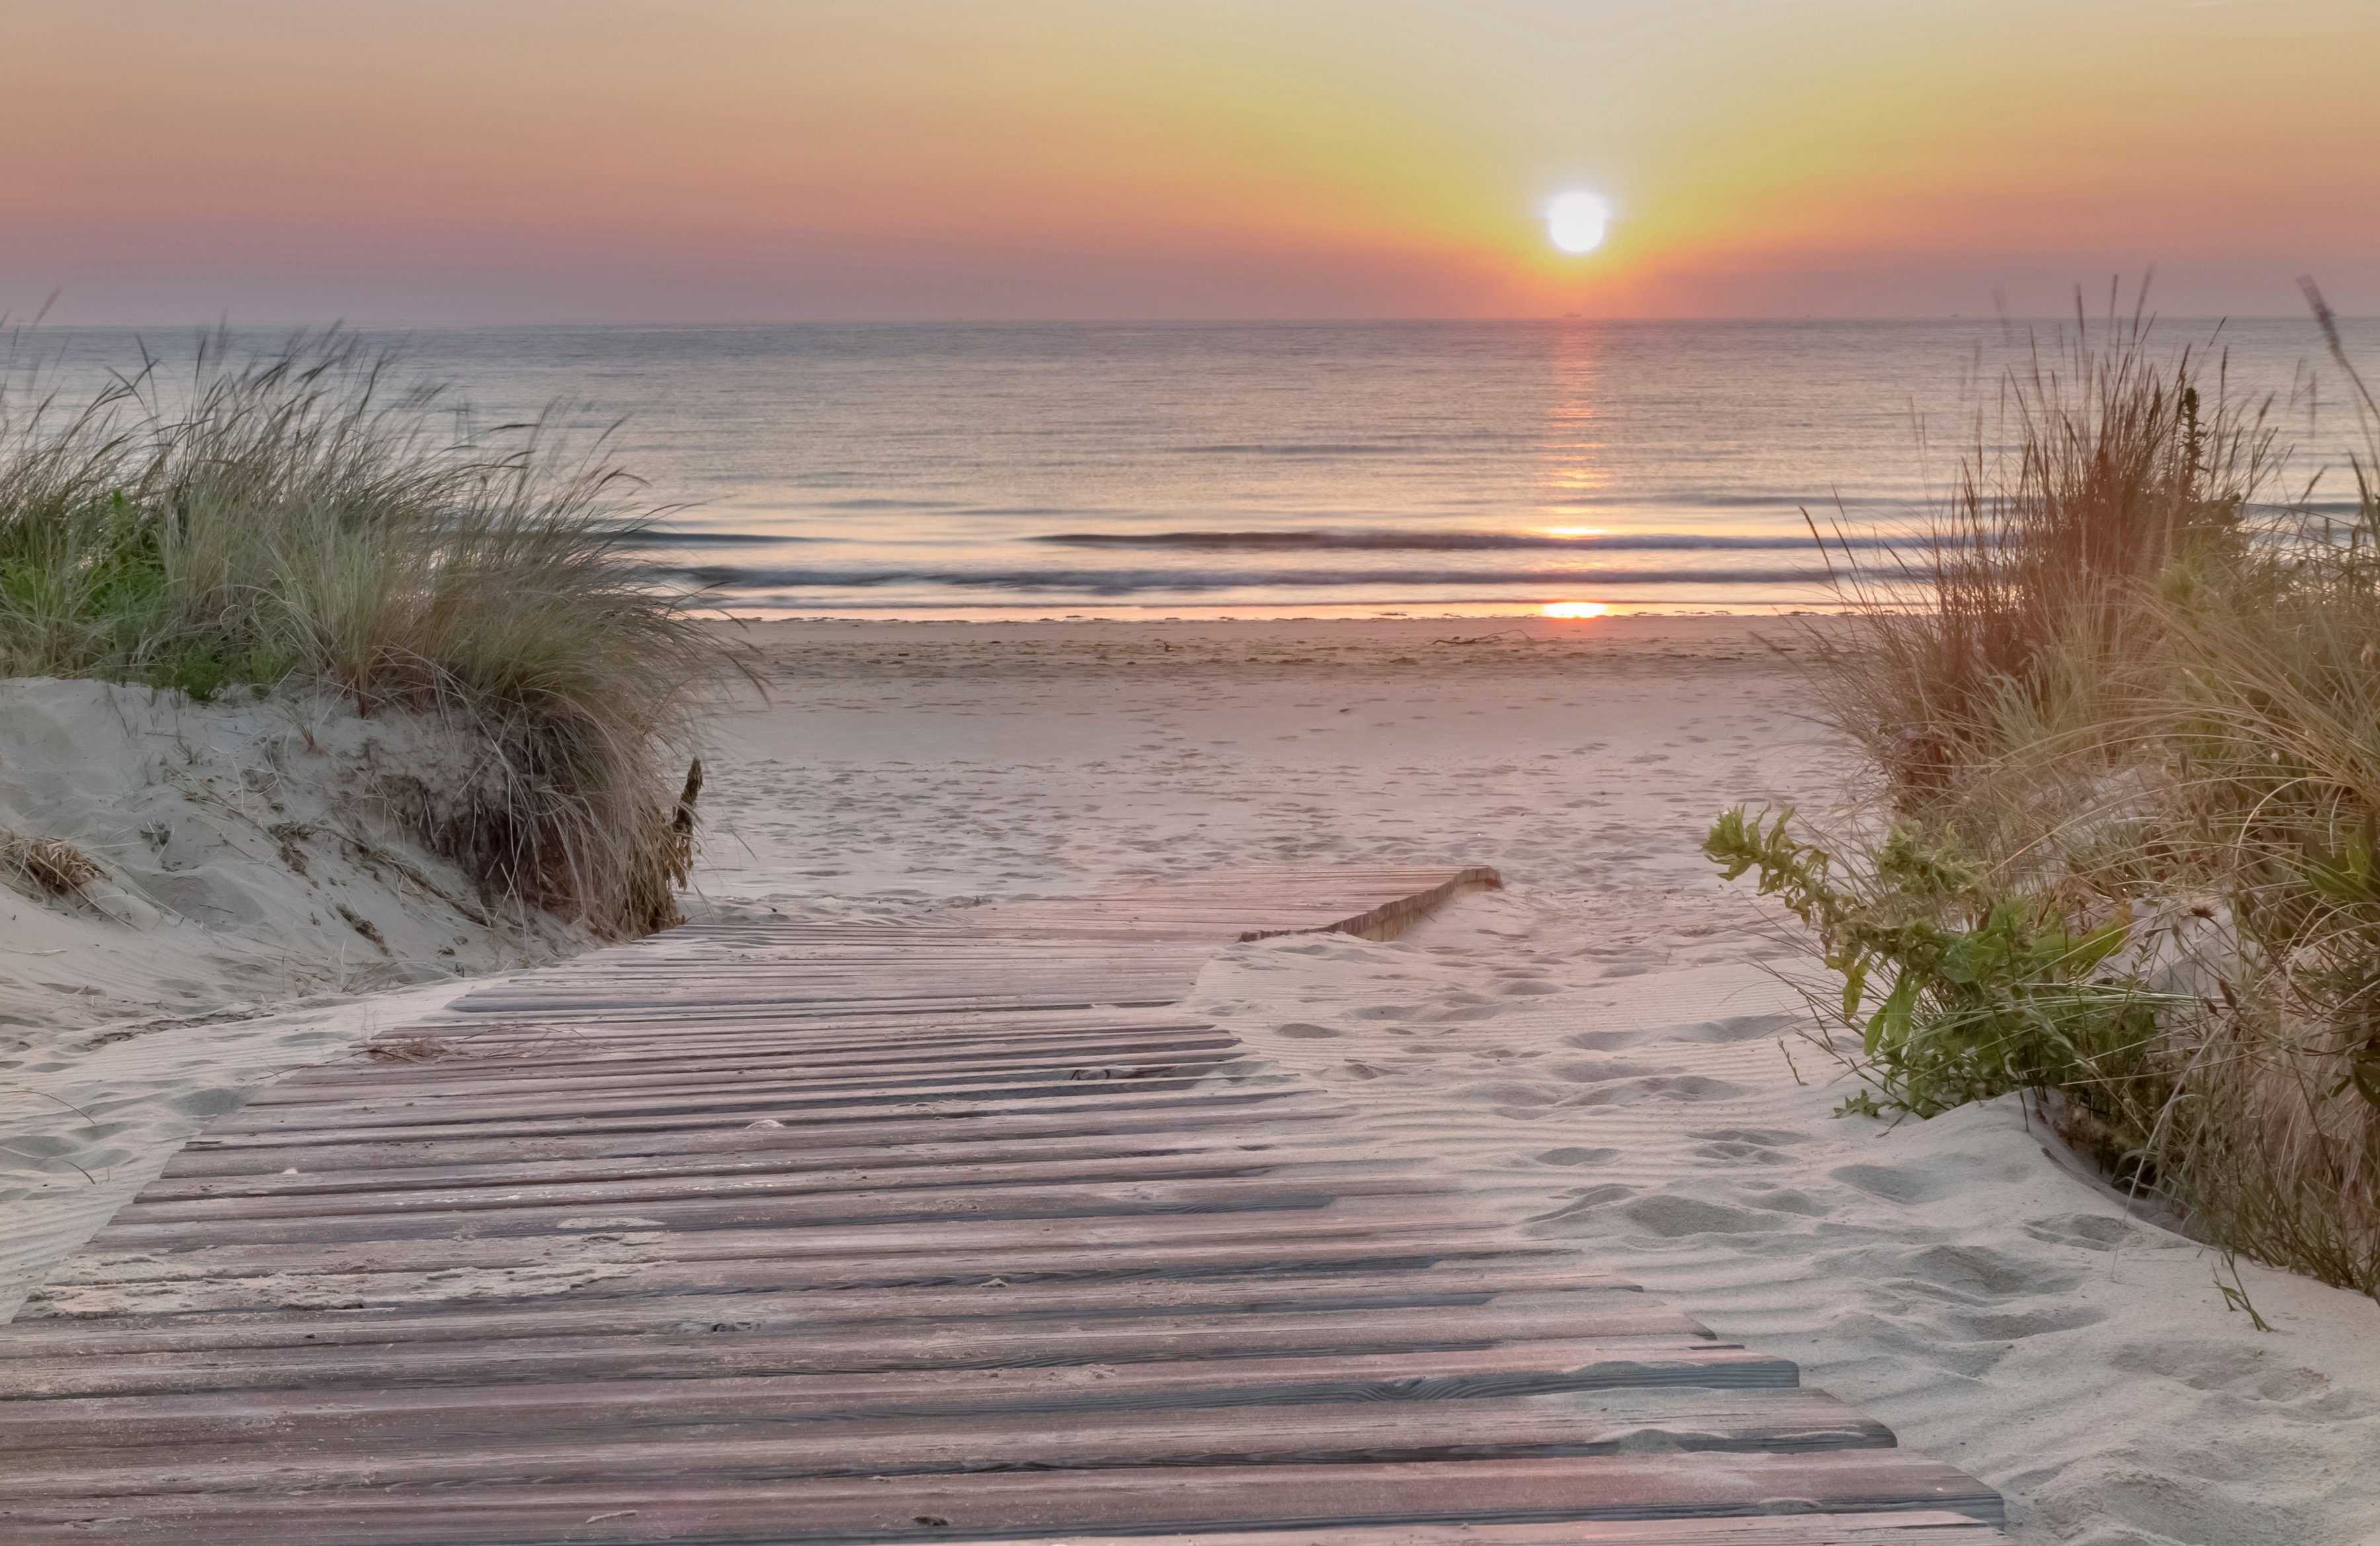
[[1957, 992]]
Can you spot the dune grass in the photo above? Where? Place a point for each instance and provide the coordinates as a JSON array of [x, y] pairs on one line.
[[2121, 701], [306, 516]]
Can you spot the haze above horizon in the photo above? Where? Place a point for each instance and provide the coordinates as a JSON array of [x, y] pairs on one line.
[[598, 160]]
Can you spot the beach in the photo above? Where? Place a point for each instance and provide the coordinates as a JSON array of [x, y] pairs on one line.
[[1605, 1050], [1609, 1051]]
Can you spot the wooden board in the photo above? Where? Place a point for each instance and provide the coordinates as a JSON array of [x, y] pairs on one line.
[[817, 1232]]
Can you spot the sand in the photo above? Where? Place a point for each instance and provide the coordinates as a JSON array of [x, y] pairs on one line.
[[1604, 1049], [247, 860], [256, 911]]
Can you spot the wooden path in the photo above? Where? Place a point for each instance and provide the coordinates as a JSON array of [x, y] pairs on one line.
[[856, 1232]]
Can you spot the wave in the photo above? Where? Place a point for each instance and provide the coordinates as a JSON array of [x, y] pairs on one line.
[[661, 536], [1302, 448], [880, 503], [1124, 582], [1438, 541]]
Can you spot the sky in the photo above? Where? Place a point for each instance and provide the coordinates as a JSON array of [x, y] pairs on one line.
[[421, 162]]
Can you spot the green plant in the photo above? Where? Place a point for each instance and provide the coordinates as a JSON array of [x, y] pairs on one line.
[[1957, 992], [2125, 715]]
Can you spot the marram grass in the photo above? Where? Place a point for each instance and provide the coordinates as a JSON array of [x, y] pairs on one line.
[[306, 518], [2125, 694]]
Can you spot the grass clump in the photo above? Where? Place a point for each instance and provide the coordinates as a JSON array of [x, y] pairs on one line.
[[2122, 702], [304, 517], [53, 864]]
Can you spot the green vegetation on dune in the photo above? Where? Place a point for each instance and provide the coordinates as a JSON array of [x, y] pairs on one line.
[[304, 518], [2122, 707]]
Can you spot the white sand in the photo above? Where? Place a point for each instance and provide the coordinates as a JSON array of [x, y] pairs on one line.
[[246, 859], [256, 911], [1596, 1048]]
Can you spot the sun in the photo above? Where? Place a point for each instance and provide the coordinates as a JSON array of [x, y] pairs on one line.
[[1575, 221], [1576, 609]]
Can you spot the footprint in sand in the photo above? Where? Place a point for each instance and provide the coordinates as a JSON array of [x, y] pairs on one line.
[[2246, 1373], [1598, 1070], [1682, 1087], [2017, 1324], [1301, 1031], [1894, 1184], [1578, 1156], [2095, 1232], [1604, 1041], [1767, 1137], [1734, 1154], [1674, 1218], [1506, 1091], [1975, 1272], [1466, 1014], [1738, 1028], [1586, 1201]]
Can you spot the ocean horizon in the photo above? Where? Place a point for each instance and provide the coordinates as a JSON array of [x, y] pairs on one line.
[[988, 470]]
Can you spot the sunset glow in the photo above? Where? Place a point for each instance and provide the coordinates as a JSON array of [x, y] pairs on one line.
[[439, 160], [1576, 609]]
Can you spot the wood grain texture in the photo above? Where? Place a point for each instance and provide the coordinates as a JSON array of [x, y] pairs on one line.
[[805, 1232]]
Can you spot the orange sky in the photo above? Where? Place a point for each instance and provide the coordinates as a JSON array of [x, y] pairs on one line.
[[597, 159]]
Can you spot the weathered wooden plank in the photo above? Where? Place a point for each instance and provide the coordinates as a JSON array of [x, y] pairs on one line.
[[1034, 1198], [1461, 1285], [763, 1257], [267, 1178], [842, 1327], [502, 1450], [1258, 1114], [793, 1090], [1927, 1529], [1090, 1105], [1060, 993], [1466, 1374], [1025, 1505], [295, 1198], [431, 1114], [1651, 1329], [361, 1298], [459, 1066], [1386, 1281]]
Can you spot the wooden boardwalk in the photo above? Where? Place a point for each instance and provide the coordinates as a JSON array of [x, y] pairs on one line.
[[842, 1232]]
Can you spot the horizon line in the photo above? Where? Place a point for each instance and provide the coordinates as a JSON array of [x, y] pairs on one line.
[[36, 323]]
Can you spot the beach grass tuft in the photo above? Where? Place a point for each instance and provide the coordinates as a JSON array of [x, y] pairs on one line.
[[2121, 701], [309, 515], [55, 865]]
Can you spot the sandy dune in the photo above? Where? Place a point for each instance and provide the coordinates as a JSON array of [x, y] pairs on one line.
[[245, 859]]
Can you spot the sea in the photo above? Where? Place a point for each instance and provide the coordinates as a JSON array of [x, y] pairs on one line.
[[1289, 469]]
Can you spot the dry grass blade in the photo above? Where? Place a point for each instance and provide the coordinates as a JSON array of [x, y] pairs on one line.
[[305, 514], [2125, 708], [53, 863]]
